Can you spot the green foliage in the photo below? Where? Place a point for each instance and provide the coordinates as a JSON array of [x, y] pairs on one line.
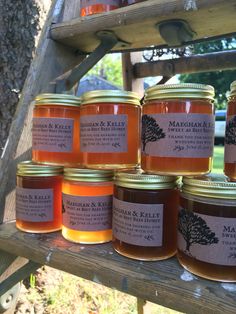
[[221, 80], [109, 68]]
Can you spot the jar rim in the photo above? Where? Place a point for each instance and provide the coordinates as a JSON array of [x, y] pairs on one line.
[[57, 99], [29, 168], [88, 175]]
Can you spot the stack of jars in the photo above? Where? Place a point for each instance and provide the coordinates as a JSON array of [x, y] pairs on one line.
[[145, 215]]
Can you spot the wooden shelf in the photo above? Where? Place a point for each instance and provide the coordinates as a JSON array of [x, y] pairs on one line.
[[135, 24], [163, 282]]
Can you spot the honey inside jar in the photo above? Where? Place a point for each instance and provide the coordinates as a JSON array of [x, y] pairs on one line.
[[98, 6]]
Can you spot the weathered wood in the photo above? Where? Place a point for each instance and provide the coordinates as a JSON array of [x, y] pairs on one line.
[[130, 82], [143, 306], [163, 282], [135, 24], [51, 60], [71, 10], [199, 63]]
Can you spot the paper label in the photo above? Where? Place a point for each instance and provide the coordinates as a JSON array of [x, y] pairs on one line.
[[87, 213], [34, 205], [105, 133], [230, 140], [207, 238], [138, 224], [52, 134], [178, 135]]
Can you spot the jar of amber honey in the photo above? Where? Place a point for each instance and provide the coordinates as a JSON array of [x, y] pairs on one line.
[[87, 205], [110, 129], [89, 7], [38, 197], [230, 136], [145, 210], [207, 227], [178, 129], [55, 130]]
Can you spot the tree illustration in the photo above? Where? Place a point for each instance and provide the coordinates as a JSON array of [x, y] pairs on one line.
[[195, 230], [230, 132], [232, 255], [151, 132], [63, 208]]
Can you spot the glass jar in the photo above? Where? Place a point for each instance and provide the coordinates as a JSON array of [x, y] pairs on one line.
[[178, 129], [110, 129], [145, 210], [87, 205], [207, 227], [89, 7], [55, 130], [38, 197], [230, 135]]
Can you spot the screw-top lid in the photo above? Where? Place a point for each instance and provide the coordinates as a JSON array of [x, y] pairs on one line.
[[88, 175], [57, 99], [212, 185], [110, 96], [183, 91], [28, 168], [232, 89], [138, 179]]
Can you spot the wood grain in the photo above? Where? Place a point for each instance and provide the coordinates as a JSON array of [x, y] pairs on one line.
[[163, 282], [135, 24]]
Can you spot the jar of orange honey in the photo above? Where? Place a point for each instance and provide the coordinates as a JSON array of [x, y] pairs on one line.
[[110, 129], [38, 197], [89, 7], [230, 135], [55, 130], [178, 129], [87, 205]]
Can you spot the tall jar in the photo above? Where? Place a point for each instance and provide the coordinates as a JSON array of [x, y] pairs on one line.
[[87, 205], [230, 135], [38, 197], [207, 227], [145, 210], [178, 129], [110, 129], [90, 7], [55, 130]]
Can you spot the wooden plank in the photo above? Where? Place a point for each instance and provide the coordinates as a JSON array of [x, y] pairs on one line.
[[136, 23], [71, 10], [199, 63], [163, 282], [51, 60]]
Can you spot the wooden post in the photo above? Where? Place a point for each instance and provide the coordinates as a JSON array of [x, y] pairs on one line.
[[143, 306]]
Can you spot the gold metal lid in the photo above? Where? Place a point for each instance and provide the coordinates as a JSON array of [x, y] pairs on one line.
[[28, 168], [88, 175], [212, 185], [232, 89], [57, 99], [110, 96], [183, 91], [138, 179]]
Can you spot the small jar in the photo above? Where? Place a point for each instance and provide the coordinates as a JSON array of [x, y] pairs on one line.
[[38, 197], [230, 135], [145, 210], [178, 129], [110, 129], [207, 227], [55, 130], [90, 7], [87, 205]]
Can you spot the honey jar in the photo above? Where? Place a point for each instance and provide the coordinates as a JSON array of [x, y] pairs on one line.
[[110, 129], [178, 129], [90, 7], [55, 130], [145, 210], [230, 135], [207, 227], [38, 197], [87, 205]]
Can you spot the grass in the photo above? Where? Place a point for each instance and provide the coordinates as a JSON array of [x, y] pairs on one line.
[[218, 160]]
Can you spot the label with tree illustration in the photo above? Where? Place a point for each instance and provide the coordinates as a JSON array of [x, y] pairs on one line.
[[52, 134], [230, 140], [34, 205], [178, 135], [138, 224], [87, 213], [207, 238], [104, 133]]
